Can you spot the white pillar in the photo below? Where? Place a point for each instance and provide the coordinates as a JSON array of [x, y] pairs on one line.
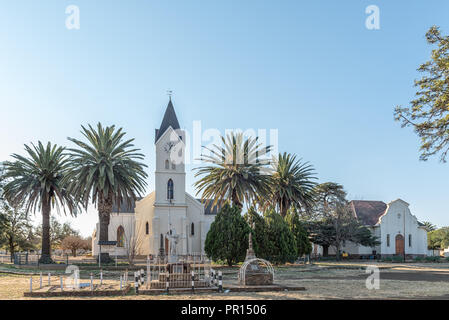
[[202, 234], [184, 236]]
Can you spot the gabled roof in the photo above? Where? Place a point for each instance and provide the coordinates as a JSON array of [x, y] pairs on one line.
[[208, 210], [368, 212], [124, 208], [169, 120]]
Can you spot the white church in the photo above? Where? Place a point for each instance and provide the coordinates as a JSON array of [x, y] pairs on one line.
[[167, 211], [397, 229]]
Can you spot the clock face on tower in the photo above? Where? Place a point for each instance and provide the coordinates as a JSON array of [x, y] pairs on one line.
[[169, 146]]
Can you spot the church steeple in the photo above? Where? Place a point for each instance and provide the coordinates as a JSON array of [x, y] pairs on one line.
[[169, 119], [170, 183]]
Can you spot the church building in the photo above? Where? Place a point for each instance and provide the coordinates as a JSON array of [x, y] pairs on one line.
[[168, 212], [398, 231]]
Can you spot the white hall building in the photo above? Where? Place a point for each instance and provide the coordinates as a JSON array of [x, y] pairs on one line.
[[145, 225], [398, 230]]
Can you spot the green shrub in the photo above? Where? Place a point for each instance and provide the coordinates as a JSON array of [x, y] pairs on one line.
[[393, 259], [272, 237], [329, 258], [432, 259], [227, 239], [282, 242], [303, 244]]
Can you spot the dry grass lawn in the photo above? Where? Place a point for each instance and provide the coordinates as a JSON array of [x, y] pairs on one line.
[[322, 281]]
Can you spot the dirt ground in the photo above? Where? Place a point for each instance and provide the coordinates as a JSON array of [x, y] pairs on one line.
[[322, 281]]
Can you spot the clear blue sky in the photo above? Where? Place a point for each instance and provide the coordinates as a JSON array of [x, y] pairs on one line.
[[309, 69]]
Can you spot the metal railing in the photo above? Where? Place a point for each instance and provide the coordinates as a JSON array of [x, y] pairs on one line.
[[188, 271]]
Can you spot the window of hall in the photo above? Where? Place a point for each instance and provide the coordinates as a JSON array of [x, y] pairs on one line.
[[147, 228], [192, 229], [388, 240], [120, 237], [167, 164], [173, 166], [170, 189], [409, 240]]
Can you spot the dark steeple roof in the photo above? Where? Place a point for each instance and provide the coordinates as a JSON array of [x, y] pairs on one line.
[[170, 120]]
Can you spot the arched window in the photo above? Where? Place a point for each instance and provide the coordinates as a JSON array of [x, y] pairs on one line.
[[147, 228], [192, 229], [170, 189], [409, 240], [167, 164], [120, 237], [173, 166]]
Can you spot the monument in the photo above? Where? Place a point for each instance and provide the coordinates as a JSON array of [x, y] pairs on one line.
[[173, 239], [250, 251], [255, 271]]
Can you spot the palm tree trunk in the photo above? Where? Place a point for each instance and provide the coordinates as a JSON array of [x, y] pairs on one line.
[[104, 226], [46, 245], [284, 205], [235, 200], [104, 214], [283, 210]]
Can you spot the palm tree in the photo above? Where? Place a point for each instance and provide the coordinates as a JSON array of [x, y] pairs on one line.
[[429, 226], [291, 184], [234, 172], [106, 171], [36, 182]]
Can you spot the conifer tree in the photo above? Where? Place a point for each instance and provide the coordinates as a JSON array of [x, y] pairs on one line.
[[227, 239], [303, 244], [282, 247]]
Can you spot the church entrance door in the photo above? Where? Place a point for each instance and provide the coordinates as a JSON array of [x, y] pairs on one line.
[[399, 244]]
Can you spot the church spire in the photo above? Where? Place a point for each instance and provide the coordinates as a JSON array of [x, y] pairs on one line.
[[169, 120]]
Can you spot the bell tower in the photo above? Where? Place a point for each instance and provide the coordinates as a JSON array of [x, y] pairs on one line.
[[170, 160]]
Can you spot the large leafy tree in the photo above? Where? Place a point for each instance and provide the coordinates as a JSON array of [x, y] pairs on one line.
[[333, 223], [291, 184], [428, 113], [438, 239], [14, 229], [58, 231], [227, 239], [329, 193], [105, 170], [337, 228], [36, 182], [73, 243], [234, 171], [328, 196]]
